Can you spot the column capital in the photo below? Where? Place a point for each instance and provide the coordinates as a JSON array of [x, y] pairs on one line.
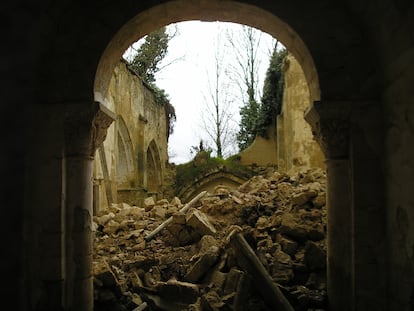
[[330, 124], [86, 126]]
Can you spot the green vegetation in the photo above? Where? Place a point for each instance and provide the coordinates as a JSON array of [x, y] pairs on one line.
[[149, 55], [257, 117], [272, 97], [202, 164], [146, 63]]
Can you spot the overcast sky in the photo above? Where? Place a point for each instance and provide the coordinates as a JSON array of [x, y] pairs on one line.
[[186, 81]]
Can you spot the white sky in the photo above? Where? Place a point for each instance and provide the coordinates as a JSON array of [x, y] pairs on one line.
[[186, 81]]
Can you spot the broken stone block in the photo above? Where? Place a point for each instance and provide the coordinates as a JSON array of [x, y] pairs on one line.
[[264, 223], [217, 279], [288, 246], [235, 197], [202, 265], [94, 226], [137, 212], [176, 202], [232, 280], [291, 228], [124, 206], [163, 202], [149, 203], [142, 224], [139, 246], [170, 210], [111, 227], [104, 219], [303, 197], [255, 184], [211, 301], [113, 208], [316, 232], [206, 242], [178, 218], [315, 256], [178, 291], [319, 200], [158, 212], [200, 223], [278, 177], [179, 235]]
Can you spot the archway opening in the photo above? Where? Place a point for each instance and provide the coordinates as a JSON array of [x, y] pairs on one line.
[[165, 14]]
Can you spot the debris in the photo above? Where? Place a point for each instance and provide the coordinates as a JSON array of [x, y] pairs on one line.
[[261, 246], [169, 220], [248, 260]]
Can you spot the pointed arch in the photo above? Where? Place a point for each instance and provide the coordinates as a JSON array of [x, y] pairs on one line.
[[153, 170], [125, 166]]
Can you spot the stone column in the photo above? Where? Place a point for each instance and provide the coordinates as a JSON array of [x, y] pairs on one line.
[[281, 144], [85, 129], [369, 209], [141, 156], [330, 126]]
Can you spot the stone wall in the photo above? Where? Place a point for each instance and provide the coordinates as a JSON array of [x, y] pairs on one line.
[[297, 149], [262, 152], [291, 146], [130, 164]]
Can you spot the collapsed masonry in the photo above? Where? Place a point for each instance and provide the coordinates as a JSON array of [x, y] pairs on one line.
[[257, 247]]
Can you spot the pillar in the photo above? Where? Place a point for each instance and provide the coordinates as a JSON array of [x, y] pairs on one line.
[[368, 206], [85, 129], [330, 126], [350, 136], [141, 160]]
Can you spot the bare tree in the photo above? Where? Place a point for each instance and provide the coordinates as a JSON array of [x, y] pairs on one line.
[[218, 121], [246, 45]]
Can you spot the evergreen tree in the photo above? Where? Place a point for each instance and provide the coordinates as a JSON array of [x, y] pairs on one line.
[[272, 99], [248, 124], [149, 55], [145, 64], [255, 117]]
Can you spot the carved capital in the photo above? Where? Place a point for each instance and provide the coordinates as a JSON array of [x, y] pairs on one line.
[[86, 126], [330, 126]]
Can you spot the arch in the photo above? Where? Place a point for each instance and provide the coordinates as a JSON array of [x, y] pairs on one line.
[[153, 170], [209, 181], [125, 168], [182, 10]]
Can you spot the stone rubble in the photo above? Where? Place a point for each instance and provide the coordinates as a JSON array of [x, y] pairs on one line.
[[190, 264]]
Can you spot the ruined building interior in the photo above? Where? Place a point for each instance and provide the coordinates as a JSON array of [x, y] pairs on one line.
[[357, 58]]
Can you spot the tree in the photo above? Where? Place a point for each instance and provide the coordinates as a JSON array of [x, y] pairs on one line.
[[218, 119], [149, 55], [273, 87], [245, 74], [146, 63]]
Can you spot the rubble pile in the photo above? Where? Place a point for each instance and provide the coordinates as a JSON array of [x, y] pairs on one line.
[[258, 247]]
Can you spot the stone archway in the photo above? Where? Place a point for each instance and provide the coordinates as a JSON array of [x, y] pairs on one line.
[[340, 283], [328, 43], [153, 171], [125, 172], [176, 11], [209, 181]]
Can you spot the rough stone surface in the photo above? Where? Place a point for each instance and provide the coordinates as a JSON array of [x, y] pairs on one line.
[[190, 264]]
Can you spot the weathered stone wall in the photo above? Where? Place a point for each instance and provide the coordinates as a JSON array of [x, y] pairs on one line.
[[291, 146], [262, 151], [130, 164], [297, 150]]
